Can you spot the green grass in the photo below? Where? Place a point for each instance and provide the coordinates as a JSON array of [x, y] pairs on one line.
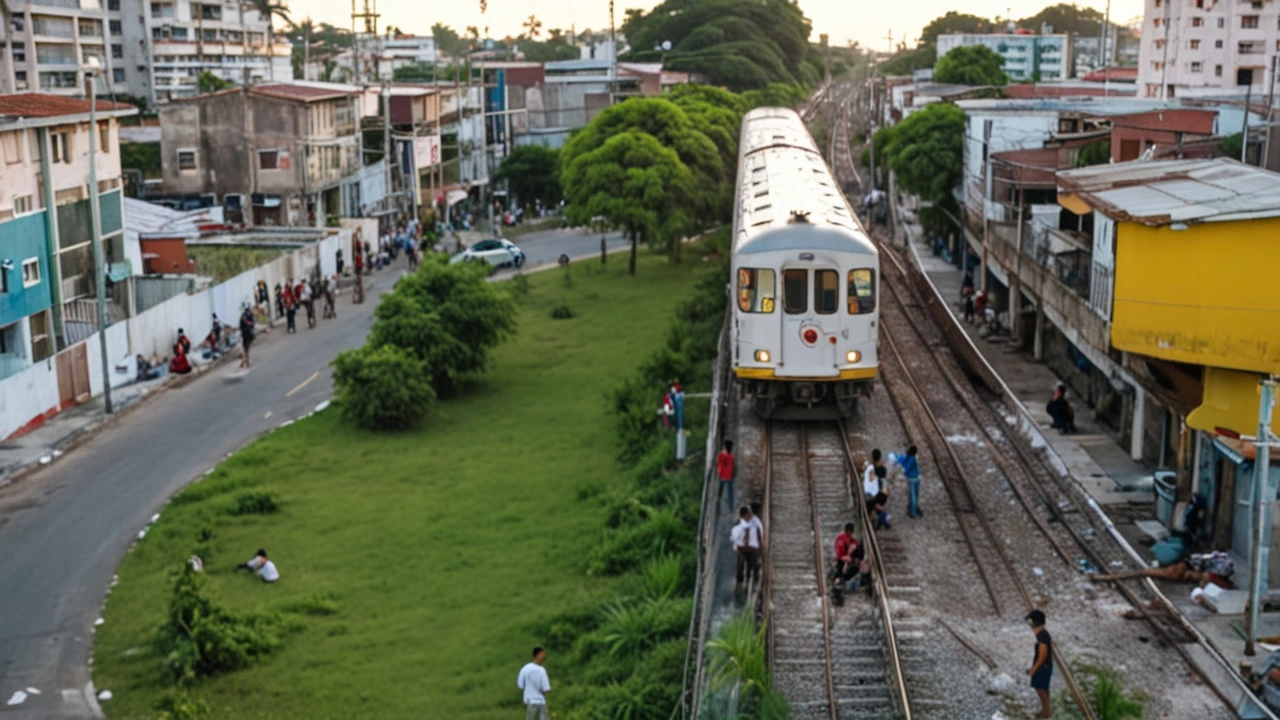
[[222, 262], [435, 553]]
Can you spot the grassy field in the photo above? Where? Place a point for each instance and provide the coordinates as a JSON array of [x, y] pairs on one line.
[[442, 548], [222, 262]]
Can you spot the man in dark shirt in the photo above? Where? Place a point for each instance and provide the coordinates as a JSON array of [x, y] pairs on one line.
[[875, 508], [1042, 669]]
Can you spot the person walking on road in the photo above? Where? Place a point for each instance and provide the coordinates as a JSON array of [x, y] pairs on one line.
[[746, 537], [910, 465], [290, 307], [725, 470], [246, 335], [535, 684], [1042, 668]]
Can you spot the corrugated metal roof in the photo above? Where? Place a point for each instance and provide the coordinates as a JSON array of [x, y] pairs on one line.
[[1176, 191]]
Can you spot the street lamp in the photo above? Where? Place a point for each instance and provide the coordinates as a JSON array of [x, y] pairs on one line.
[[92, 68]]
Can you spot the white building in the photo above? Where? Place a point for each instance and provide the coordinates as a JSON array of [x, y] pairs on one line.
[[1046, 58], [1205, 47], [155, 50]]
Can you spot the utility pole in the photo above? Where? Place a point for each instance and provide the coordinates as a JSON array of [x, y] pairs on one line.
[[613, 60], [91, 71], [1266, 126], [1261, 509], [1244, 124], [1164, 58], [1103, 59], [388, 155], [986, 194]]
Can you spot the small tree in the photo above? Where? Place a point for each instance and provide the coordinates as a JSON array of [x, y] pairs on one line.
[[926, 151], [971, 65], [382, 388], [207, 82], [532, 172], [636, 183], [403, 322]]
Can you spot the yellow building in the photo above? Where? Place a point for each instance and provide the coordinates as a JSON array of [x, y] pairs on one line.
[[1196, 300]]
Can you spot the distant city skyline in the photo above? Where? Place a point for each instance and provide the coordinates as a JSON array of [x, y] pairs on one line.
[[867, 23]]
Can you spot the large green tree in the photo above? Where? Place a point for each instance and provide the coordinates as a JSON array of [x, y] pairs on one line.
[[448, 40], [954, 22], [636, 183], [1066, 18], [971, 65], [738, 45], [532, 173], [926, 151]]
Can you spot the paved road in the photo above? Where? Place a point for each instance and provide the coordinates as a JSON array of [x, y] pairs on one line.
[[64, 530]]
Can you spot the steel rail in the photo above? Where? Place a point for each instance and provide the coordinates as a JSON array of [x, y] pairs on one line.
[[766, 581], [820, 571], [897, 678]]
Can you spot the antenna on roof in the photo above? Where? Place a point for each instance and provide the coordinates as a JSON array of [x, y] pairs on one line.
[[799, 216]]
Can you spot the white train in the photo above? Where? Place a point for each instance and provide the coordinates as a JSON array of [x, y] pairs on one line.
[[805, 277]]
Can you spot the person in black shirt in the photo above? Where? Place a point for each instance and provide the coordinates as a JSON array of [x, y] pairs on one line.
[[1042, 668]]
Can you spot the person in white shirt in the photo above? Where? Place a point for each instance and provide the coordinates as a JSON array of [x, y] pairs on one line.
[[870, 483], [747, 538], [261, 565], [533, 681]]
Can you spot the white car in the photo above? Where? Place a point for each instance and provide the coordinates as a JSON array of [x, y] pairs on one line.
[[498, 252]]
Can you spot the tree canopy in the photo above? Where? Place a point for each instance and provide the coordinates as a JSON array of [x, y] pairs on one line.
[[448, 40], [729, 43], [971, 65], [926, 151], [532, 172], [1066, 18], [633, 181], [954, 22]]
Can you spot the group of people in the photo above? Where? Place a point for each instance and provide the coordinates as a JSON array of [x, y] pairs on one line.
[[303, 295], [977, 307]]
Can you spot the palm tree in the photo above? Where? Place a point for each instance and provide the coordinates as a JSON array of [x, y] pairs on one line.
[[533, 26], [269, 10]]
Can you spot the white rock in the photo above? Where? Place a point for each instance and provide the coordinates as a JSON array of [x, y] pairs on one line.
[[1002, 682], [17, 698], [1037, 571], [142, 533], [57, 453], [105, 695], [155, 517], [45, 460], [32, 691], [321, 407], [99, 621]]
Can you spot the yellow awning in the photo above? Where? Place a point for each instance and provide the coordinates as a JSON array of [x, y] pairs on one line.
[[1230, 402], [1074, 203]]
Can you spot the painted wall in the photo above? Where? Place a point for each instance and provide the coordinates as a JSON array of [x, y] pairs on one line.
[[21, 239], [1204, 295]]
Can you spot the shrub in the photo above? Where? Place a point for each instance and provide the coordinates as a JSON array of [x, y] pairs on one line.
[[520, 284], [403, 322], [255, 502], [663, 577], [561, 312], [314, 605], [738, 669], [179, 705], [631, 628], [382, 388]]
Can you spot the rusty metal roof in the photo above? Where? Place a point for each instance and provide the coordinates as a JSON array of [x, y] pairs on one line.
[[1164, 192]]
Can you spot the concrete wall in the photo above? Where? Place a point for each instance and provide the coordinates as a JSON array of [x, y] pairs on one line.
[[28, 396]]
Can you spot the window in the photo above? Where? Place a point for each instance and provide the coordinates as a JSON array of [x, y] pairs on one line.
[[20, 79], [23, 204], [58, 80], [1217, 71], [268, 159], [90, 28], [1249, 22], [1157, 22], [826, 291], [117, 51], [19, 53], [19, 23], [104, 137], [11, 144], [1159, 44], [795, 291], [61, 143], [41, 342], [55, 54], [178, 33], [209, 35], [1250, 48], [186, 159], [30, 272], [4, 288], [117, 75], [1195, 44], [113, 5], [1200, 4], [862, 291], [756, 290], [1197, 67], [1217, 44], [1222, 23], [1197, 22], [115, 27], [1159, 2]]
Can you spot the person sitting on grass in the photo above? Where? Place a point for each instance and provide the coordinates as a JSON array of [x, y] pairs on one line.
[[261, 565]]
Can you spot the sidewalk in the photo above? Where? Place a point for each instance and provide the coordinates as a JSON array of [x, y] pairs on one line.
[[1122, 487]]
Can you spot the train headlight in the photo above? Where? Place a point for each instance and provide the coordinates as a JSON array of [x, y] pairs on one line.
[[763, 356], [852, 356]]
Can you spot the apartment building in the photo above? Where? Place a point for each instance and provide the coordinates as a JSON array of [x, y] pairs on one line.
[[1042, 58], [1202, 47], [155, 50], [47, 283], [276, 153]]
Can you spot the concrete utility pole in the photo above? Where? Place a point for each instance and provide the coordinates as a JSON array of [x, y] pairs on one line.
[[91, 71], [1244, 124], [986, 197], [1266, 126], [1164, 58], [1261, 509], [388, 153]]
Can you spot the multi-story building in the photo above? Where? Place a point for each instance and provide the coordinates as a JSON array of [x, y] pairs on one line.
[[1045, 58], [154, 50], [1205, 48], [276, 153], [47, 282]]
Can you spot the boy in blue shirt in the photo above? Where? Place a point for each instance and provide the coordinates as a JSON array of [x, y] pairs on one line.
[[911, 469]]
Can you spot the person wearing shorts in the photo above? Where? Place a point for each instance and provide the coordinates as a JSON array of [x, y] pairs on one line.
[[246, 335], [1041, 671]]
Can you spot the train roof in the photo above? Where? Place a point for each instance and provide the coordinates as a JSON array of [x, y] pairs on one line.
[[783, 178]]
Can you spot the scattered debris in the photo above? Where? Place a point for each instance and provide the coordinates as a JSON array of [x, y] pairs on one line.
[[1087, 567], [1001, 682], [142, 533], [196, 563], [45, 460], [1037, 571], [99, 621], [322, 406], [104, 695], [32, 691], [17, 698]]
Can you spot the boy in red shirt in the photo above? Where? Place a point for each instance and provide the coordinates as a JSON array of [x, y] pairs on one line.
[[725, 470]]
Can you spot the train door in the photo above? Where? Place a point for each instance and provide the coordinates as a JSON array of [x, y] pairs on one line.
[[809, 296]]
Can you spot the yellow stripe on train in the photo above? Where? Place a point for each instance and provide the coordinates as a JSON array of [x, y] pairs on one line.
[[770, 374]]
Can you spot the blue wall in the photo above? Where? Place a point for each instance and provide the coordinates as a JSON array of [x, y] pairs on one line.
[[21, 239]]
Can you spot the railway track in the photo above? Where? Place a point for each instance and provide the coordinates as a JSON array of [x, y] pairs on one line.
[[830, 663]]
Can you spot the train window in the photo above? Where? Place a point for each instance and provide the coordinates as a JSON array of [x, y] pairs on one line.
[[757, 289], [826, 291], [862, 291], [795, 291]]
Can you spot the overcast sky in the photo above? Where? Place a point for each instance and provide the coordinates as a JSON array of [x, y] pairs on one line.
[[866, 21]]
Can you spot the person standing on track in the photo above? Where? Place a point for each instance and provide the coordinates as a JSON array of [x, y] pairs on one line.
[[1042, 669], [535, 684], [746, 537], [725, 471], [910, 465]]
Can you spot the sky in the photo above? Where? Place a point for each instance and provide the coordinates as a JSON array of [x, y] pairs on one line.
[[867, 21]]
